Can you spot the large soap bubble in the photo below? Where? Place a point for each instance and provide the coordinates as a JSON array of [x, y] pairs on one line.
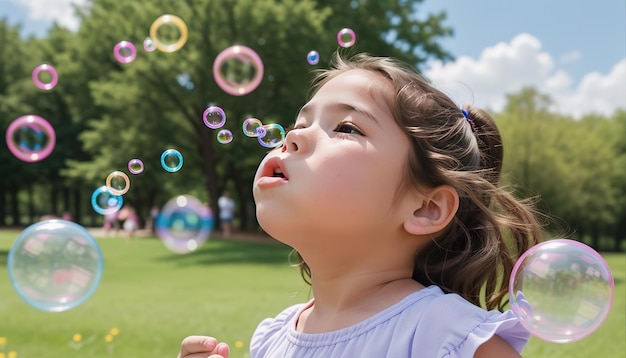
[[238, 70], [561, 290], [55, 265], [184, 224]]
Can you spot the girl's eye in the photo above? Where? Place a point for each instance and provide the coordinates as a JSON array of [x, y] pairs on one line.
[[349, 128]]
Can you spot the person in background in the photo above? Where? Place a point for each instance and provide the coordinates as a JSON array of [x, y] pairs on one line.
[[227, 213]]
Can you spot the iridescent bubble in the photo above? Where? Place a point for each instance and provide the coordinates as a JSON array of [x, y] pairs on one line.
[[224, 136], [171, 160], [55, 265], [124, 52], [238, 70], [50, 82], [250, 126], [561, 290], [135, 166], [104, 202], [274, 135], [169, 33], [118, 183], [313, 57], [346, 37], [149, 45], [214, 117], [184, 224], [30, 138]]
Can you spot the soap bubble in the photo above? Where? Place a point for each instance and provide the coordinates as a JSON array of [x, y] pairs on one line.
[[104, 202], [118, 183], [171, 160], [55, 265], [251, 127], [224, 136], [168, 33], [184, 224], [30, 138], [238, 70], [214, 117], [135, 166], [52, 73], [346, 37], [561, 290], [313, 57], [149, 45], [124, 52], [271, 135]]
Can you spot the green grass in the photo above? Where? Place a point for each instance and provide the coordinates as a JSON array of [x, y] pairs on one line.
[[156, 298]]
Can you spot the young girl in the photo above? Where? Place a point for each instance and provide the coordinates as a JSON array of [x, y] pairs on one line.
[[389, 194]]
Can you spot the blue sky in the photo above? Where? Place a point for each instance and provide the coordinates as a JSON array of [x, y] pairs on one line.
[[574, 51]]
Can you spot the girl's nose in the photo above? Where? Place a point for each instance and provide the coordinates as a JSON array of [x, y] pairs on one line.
[[294, 141]]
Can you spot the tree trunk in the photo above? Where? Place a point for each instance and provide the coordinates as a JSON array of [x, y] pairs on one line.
[[15, 207], [78, 213], [31, 204], [207, 153], [3, 205]]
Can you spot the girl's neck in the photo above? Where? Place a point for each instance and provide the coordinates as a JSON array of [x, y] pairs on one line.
[[344, 300]]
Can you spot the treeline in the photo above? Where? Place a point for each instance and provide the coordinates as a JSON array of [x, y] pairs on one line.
[[106, 113]]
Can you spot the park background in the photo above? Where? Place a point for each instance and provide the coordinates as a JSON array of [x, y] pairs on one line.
[[105, 113]]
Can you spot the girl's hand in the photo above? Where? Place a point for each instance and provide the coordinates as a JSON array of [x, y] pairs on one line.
[[203, 347]]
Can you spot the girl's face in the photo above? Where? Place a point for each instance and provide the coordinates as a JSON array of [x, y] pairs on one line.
[[340, 168]]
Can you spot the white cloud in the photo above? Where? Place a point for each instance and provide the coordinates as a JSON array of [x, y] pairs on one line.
[[508, 67], [60, 11], [570, 57]]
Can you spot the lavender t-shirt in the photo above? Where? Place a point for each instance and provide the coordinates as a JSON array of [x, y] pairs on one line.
[[427, 323]]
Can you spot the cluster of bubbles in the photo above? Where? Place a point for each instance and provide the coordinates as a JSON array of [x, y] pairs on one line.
[[560, 290], [269, 135]]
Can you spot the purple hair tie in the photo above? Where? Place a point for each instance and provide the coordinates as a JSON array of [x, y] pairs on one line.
[[468, 119]]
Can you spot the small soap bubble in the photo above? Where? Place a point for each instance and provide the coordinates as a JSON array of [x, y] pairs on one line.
[[104, 202], [561, 290], [168, 33], [124, 52], [171, 160], [149, 45], [346, 37], [238, 70], [55, 265], [135, 166], [118, 183], [250, 127], [274, 135], [51, 77], [184, 224], [313, 57], [30, 138], [224, 136], [214, 117]]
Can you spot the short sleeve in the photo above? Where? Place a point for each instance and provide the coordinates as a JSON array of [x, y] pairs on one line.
[[458, 328]]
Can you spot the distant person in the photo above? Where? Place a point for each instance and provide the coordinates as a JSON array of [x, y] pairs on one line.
[[131, 220], [227, 213], [111, 222], [154, 214]]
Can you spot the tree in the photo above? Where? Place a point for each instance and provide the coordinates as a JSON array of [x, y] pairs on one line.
[[143, 110]]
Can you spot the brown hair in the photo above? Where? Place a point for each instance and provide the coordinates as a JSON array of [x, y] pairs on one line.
[[474, 256]]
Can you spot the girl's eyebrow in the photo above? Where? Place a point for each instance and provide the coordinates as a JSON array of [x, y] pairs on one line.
[[340, 106]]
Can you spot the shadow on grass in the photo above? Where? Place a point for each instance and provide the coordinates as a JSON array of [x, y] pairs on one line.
[[224, 252]]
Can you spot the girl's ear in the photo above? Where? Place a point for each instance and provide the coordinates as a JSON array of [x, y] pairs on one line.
[[437, 209]]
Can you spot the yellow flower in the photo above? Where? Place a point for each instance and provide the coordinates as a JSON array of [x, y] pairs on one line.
[[108, 338], [12, 354], [2, 355], [239, 344], [77, 337], [3, 341], [114, 331]]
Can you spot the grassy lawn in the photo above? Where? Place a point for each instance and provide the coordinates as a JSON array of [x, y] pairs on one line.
[[156, 298]]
